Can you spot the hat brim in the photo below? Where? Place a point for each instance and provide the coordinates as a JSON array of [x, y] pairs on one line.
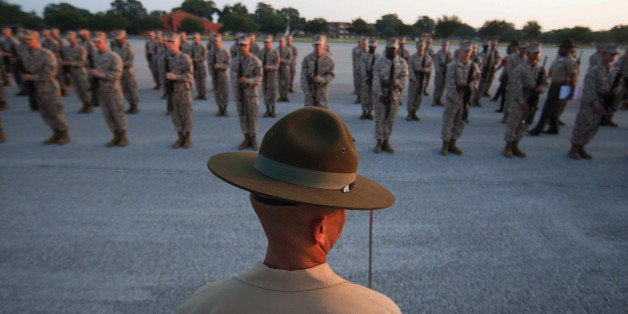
[[237, 168]]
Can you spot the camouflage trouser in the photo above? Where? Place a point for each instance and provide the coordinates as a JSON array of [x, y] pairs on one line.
[[182, 107], [357, 81], [221, 92], [269, 88], [426, 81], [112, 106], [1, 124], [383, 125], [200, 78], [293, 73], [368, 99], [81, 84], [212, 74], [452, 121], [152, 65], [129, 86], [247, 114], [62, 77], [415, 96], [284, 80], [17, 76], [586, 126], [515, 130], [320, 98], [439, 86], [3, 94], [51, 110], [488, 82]]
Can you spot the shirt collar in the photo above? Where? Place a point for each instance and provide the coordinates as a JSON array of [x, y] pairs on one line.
[[317, 277]]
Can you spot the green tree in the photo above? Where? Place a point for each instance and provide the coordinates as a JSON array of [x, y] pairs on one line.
[[236, 18], [465, 31], [446, 26], [108, 21], [131, 9], [269, 20], [293, 19], [66, 16], [495, 29], [361, 27], [149, 22], [389, 25], [157, 13], [202, 8], [424, 25], [531, 30], [190, 25], [13, 14], [317, 26], [619, 34]]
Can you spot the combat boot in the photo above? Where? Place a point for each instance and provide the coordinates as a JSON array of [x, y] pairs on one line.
[[253, 141], [187, 142], [272, 112], [445, 149], [114, 141], [219, 113], [369, 115], [409, 117], [56, 135], [574, 152], [245, 143], [453, 148], [267, 113], [415, 117], [508, 150], [583, 153], [133, 109], [3, 106], [363, 116], [124, 141], [387, 147], [2, 137], [378, 147], [516, 151], [179, 141], [64, 138]]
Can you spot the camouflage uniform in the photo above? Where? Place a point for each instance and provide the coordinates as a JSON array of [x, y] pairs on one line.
[[233, 50], [210, 49], [63, 75], [317, 94], [521, 84], [42, 64], [128, 82], [403, 53], [491, 62], [418, 67], [441, 61], [181, 66], [11, 46], [428, 74], [512, 62], [595, 59], [285, 65], [223, 59], [385, 115], [247, 104], [597, 84], [293, 65], [3, 95], [54, 46], [367, 63], [150, 51], [198, 56], [90, 50], [356, 57], [186, 47], [455, 81], [77, 56], [109, 93], [270, 58]]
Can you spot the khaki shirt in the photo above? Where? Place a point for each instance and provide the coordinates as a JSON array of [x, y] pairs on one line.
[[266, 290], [562, 68]]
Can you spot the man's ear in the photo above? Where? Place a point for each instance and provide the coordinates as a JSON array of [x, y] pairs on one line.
[[318, 228]]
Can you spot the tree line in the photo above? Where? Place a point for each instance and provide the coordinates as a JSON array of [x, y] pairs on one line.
[[132, 16]]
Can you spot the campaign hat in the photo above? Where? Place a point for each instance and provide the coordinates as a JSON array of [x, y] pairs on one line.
[[307, 157]]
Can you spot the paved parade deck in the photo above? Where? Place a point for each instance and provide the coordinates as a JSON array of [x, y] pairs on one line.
[[92, 229]]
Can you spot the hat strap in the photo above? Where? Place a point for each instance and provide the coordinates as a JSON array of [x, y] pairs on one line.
[[304, 177]]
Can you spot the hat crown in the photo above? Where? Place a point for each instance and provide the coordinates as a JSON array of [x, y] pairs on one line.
[[312, 139]]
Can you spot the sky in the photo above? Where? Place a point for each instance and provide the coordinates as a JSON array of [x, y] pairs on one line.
[[550, 14]]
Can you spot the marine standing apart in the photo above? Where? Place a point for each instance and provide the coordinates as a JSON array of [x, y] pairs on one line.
[[198, 54], [462, 77], [219, 60], [285, 65], [180, 76], [441, 61], [41, 66], [317, 71], [562, 73], [389, 78], [512, 62], [419, 68], [597, 95], [356, 56], [75, 58], [108, 70], [367, 64], [293, 65], [525, 84], [270, 66], [150, 51], [128, 82], [246, 75]]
